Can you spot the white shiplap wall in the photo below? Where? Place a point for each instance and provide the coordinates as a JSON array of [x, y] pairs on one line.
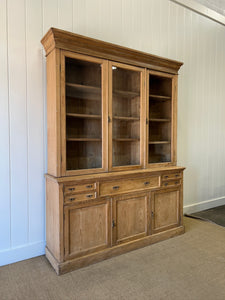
[[159, 27]]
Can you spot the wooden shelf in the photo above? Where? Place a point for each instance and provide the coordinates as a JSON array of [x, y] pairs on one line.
[[126, 118], [88, 116], [159, 97], [83, 140], [126, 94], [159, 120], [159, 142], [126, 140], [85, 88]]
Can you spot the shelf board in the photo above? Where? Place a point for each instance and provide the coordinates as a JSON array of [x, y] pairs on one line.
[[88, 116], [83, 140], [84, 88], [160, 97], [126, 140], [126, 94], [159, 120], [126, 118], [159, 142]]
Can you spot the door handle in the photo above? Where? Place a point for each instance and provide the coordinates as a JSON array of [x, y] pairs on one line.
[[113, 224]]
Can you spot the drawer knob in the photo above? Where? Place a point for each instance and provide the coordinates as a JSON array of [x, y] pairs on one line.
[[146, 182], [177, 175], [89, 196], [166, 176], [71, 189], [89, 186], [71, 199], [116, 187], [176, 182], [166, 183]]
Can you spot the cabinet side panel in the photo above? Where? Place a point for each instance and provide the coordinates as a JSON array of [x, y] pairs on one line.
[[53, 218], [53, 112]]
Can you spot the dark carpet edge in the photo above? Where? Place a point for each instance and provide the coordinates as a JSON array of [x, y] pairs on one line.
[[202, 219]]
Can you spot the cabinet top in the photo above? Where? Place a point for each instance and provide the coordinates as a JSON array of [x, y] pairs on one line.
[[117, 175], [60, 39]]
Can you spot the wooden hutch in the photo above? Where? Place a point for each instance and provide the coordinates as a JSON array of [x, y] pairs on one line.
[[112, 184]]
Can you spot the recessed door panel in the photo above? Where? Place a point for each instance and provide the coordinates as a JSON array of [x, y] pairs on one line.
[[86, 229], [165, 209], [130, 218]]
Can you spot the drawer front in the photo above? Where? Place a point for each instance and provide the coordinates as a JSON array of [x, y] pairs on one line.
[[79, 197], [171, 183], [171, 176], [71, 189], [122, 186]]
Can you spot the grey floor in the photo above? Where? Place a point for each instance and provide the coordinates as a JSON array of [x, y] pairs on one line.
[[216, 215], [190, 266]]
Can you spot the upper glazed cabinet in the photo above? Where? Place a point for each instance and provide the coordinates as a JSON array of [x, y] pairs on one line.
[[125, 116], [84, 113], [110, 110], [161, 118]]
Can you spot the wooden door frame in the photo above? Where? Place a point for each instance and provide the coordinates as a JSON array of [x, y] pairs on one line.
[[173, 150], [104, 101], [142, 115]]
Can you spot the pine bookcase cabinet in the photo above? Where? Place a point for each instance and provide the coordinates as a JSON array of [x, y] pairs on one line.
[[112, 184]]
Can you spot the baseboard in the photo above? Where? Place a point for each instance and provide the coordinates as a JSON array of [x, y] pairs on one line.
[[16, 254], [83, 261], [199, 206]]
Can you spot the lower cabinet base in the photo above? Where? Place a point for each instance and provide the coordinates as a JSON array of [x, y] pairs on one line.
[[76, 263]]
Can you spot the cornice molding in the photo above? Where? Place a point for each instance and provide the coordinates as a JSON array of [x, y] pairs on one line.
[[60, 39]]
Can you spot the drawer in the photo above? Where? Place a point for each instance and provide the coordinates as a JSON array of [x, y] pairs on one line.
[[171, 176], [79, 197], [71, 189], [123, 186], [171, 183]]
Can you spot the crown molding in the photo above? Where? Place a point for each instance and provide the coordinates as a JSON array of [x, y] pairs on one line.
[[64, 40], [202, 10]]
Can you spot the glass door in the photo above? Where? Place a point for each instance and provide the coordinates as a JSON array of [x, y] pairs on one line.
[[160, 135], [83, 109], [125, 114]]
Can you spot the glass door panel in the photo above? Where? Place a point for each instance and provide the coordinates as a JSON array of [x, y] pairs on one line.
[[83, 114], [126, 94], [160, 119]]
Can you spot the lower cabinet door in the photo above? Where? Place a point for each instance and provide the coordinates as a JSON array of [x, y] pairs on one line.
[[130, 217], [87, 228], [165, 206]]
